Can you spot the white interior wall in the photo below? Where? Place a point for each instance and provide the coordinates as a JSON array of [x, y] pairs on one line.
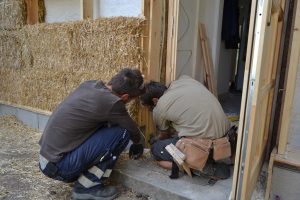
[[225, 68], [62, 10], [126, 8], [211, 15], [294, 131], [69, 10], [189, 56], [187, 38]]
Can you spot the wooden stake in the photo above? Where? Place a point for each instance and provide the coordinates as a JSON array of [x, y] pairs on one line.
[[32, 11], [86, 9], [208, 64]]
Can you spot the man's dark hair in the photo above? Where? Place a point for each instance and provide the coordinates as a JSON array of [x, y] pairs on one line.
[[128, 81], [153, 90]]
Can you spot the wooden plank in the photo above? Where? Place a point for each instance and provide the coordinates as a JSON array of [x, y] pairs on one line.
[[153, 32], [253, 136], [155, 39], [238, 160], [291, 83], [274, 60], [270, 172], [144, 115], [261, 70], [86, 9], [172, 41], [175, 156], [178, 152], [145, 38], [207, 77], [32, 11], [208, 64]]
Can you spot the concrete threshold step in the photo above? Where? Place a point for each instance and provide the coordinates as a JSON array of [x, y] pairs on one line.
[[144, 176]]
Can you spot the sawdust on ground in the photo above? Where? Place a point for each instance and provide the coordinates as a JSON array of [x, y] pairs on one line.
[[20, 177]]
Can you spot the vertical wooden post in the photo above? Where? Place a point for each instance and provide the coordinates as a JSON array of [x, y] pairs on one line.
[[155, 39], [32, 11], [152, 47], [172, 40], [86, 9]]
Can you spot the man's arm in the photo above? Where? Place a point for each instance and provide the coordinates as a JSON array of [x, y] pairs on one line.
[[119, 115], [166, 133]]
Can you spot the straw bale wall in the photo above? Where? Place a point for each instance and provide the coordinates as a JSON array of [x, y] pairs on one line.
[[43, 63], [12, 14]]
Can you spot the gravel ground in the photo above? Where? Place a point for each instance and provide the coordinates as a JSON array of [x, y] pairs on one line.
[[20, 177]]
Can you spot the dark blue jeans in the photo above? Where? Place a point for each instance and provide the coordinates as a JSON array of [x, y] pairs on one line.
[[106, 143]]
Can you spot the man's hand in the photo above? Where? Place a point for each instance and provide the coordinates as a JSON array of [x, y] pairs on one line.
[[152, 139], [136, 151]]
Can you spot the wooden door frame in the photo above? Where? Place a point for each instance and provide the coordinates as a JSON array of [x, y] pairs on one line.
[[255, 92]]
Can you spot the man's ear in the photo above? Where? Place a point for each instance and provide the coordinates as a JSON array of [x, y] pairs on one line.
[[125, 98], [154, 100]]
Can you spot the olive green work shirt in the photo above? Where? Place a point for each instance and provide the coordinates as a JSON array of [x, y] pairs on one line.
[[191, 110]]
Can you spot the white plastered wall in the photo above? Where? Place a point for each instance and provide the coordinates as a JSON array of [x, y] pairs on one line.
[[69, 10], [294, 130], [62, 10], [187, 38], [126, 8], [189, 56]]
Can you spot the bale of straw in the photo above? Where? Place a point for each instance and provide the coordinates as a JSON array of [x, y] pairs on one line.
[[103, 47], [56, 58], [10, 49], [12, 14]]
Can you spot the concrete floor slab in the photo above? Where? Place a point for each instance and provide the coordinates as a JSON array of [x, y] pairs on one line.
[[144, 176]]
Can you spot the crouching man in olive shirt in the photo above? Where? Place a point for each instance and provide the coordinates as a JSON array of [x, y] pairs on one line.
[[87, 132], [185, 109]]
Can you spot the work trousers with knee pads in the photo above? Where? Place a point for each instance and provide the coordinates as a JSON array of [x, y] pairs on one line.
[[92, 162]]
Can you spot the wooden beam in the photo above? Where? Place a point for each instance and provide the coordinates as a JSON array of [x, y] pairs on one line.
[[86, 9], [155, 39], [238, 167], [173, 13], [291, 83], [208, 63], [32, 11], [153, 31]]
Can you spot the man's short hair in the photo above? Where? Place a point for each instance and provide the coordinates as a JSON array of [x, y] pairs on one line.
[[153, 90], [128, 81]]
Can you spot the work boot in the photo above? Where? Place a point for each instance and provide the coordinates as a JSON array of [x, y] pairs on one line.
[[222, 171], [98, 192]]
